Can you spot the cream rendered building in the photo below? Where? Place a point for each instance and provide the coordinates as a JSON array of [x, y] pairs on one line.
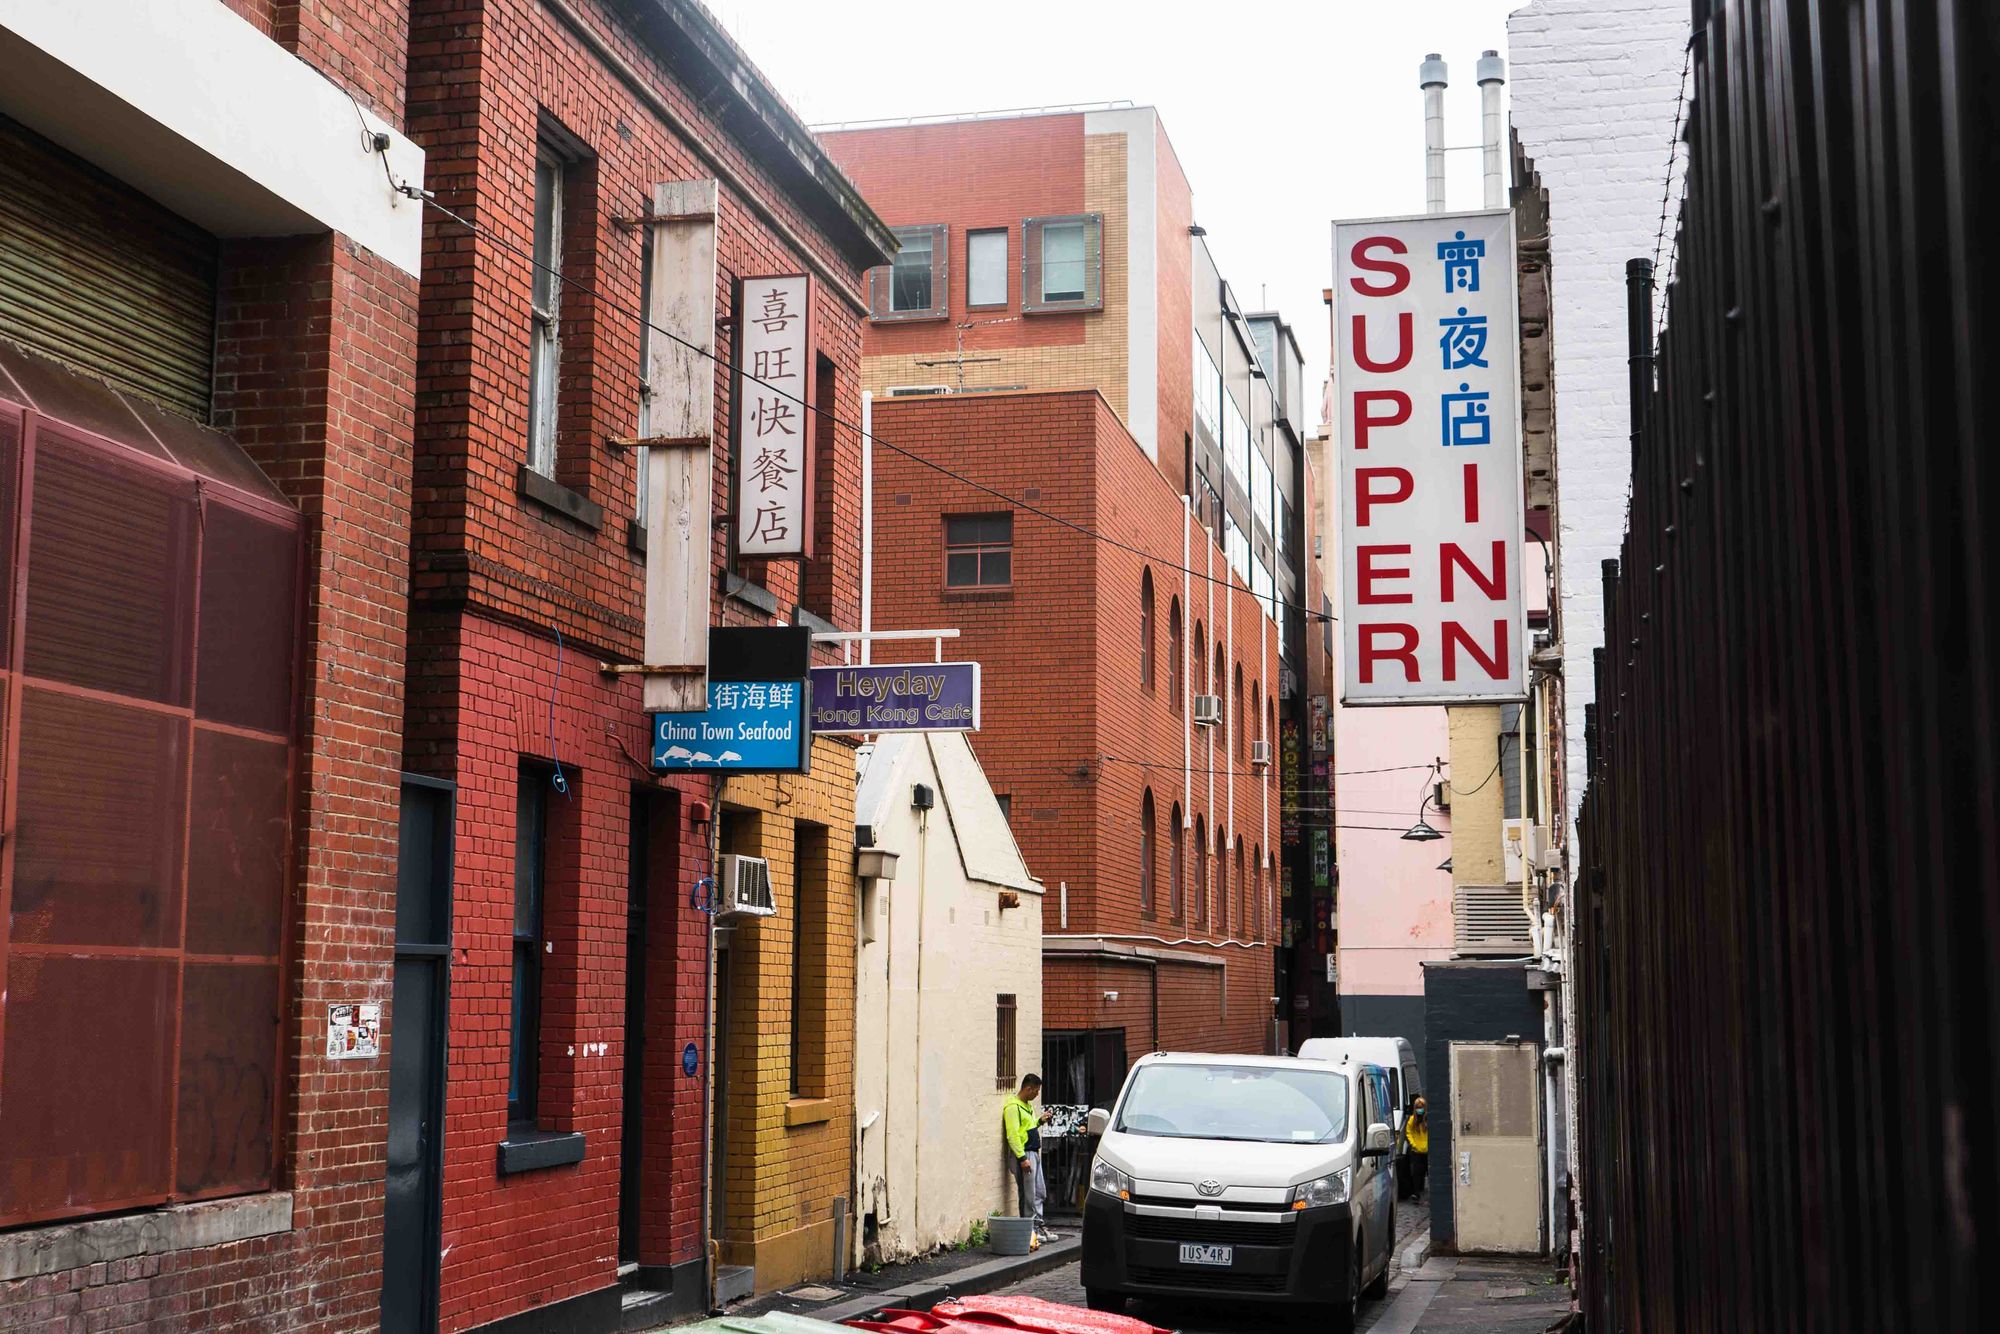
[[948, 995]]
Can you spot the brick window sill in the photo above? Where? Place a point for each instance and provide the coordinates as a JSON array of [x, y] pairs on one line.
[[29, 1252], [532, 1150], [978, 593], [553, 496], [808, 1111]]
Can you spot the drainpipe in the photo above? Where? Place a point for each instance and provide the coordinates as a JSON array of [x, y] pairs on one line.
[[1187, 673], [917, 1053], [711, 1248], [867, 525]]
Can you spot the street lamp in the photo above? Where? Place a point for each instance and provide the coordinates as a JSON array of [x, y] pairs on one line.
[[1421, 832]]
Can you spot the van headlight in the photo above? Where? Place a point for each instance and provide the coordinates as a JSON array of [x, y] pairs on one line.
[[1327, 1190], [1109, 1180]]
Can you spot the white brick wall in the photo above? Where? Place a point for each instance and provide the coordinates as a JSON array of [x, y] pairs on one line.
[[1594, 86]]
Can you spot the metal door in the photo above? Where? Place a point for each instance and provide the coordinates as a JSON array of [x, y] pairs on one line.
[[1496, 1147], [412, 1216]]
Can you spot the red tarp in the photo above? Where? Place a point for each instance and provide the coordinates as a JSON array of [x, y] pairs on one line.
[[982, 1315]]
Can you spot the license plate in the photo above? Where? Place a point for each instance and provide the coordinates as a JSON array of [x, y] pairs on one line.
[[1207, 1255]]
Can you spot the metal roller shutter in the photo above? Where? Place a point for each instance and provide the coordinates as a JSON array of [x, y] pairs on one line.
[[100, 276]]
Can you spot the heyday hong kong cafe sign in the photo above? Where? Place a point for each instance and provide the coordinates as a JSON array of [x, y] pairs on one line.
[[1427, 414], [904, 697]]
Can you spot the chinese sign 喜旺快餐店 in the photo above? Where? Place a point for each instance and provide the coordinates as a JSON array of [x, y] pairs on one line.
[[774, 416], [917, 697]]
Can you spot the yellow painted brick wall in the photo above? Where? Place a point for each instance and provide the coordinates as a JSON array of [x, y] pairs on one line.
[[1477, 854], [788, 1158]]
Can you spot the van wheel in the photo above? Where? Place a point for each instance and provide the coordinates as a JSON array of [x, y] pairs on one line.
[[1347, 1315], [1097, 1299]]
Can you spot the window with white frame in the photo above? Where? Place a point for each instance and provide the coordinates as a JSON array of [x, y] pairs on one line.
[[1235, 442], [1062, 263], [545, 339], [986, 267], [1207, 389]]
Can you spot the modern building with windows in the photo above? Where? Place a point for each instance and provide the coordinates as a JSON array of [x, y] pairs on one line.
[[1052, 285]]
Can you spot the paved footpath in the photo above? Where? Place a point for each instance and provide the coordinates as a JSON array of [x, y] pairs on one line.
[[1443, 1294]]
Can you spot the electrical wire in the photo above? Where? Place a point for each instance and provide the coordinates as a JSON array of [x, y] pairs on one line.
[[414, 192]]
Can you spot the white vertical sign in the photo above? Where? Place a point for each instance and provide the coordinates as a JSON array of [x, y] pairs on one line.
[[679, 479], [1427, 421], [774, 427]]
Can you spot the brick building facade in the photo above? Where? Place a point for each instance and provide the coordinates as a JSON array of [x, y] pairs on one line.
[[550, 125], [1159, 927], [359, 839], [1063, 255]]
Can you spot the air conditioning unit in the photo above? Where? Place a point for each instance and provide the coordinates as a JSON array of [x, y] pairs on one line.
[[1208, 710], [1260, 752], [1538, 845], [917, 390], [745, 888]]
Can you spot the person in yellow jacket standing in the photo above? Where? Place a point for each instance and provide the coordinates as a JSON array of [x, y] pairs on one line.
[[1023, 1127], [1417, 1130]]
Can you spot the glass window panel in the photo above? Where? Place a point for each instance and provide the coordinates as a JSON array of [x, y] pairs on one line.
[[548, 232], [249, 616], [961, 532], [228, 1077], [85, 1088], [10, 457], [519, 1046], [531, 822], [1062, 261], [997, 568], [961, 568], [100, 825], [986, 268], [544, 370], [998, 528], [237, 831], [910, 275], [110, 574]]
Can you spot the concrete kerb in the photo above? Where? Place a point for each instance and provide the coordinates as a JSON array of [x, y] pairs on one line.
[[987, 1276]]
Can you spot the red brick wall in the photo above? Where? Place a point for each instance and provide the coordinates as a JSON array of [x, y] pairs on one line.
[[359, 44], [971, 175], [1068, 732], [497, 577], [538, 1237]]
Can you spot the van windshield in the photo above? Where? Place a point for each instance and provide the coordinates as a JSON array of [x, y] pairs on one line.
[[1260, 1103]]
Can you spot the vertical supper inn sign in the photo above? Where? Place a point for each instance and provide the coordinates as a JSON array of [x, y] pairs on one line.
[[774, 425], [1427, 419]]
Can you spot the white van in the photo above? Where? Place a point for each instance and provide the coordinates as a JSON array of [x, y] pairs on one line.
[[1263, 1179], [1395, 1055]]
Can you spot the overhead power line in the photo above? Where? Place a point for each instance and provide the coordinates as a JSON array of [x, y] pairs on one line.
[[414, 192]]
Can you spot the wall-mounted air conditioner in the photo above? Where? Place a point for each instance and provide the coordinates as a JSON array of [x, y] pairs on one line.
[[1208, 710], [1260, 752], [746, 888], [917, 390]]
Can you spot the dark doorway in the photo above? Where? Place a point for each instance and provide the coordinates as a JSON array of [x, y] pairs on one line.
[[718, 1073], [631, 1171], [651, 1063], [414, 1195]]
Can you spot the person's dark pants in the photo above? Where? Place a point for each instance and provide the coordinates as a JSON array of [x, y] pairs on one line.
[[1420, 1173]]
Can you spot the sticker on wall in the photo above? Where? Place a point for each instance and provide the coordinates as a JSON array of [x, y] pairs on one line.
[[353, 1032], [690, 1060], [1465, 1167]]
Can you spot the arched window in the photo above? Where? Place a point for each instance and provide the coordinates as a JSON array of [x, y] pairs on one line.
[[1221, 677], [1242, 746], [1257, 709], [1146, 854], [1176, 875], [1176, 650], [1222, 881], [1146, 629], [1200, 660], [1242, 894], [1258, 908], [1200, 913]]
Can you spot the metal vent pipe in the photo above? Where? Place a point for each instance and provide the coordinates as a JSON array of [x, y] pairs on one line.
[[1492, 75], [1431, 76]]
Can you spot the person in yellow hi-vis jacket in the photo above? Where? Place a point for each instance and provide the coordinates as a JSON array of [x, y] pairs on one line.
[[1023, 1127], [1416, 1128]]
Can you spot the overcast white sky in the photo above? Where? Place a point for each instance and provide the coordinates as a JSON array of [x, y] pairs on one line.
[[1285, 113]]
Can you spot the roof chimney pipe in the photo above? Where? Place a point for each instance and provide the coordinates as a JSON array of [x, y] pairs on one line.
[[1432, 78], [1492, 74]]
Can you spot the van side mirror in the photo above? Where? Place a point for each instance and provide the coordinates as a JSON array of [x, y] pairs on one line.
[[1097, 1122], [1381, 1139]]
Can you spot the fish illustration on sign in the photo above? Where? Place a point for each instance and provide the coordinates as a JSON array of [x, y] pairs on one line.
[[728, 755], [677, 753]]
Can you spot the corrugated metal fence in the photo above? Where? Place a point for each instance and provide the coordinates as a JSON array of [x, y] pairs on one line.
[[1787, 979]]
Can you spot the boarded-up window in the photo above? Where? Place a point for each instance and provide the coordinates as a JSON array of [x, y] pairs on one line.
[[151, 845], [1005, 1011]]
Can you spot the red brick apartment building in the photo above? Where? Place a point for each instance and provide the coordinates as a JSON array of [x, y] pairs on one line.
[[1059, 251], [322, 1003]]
